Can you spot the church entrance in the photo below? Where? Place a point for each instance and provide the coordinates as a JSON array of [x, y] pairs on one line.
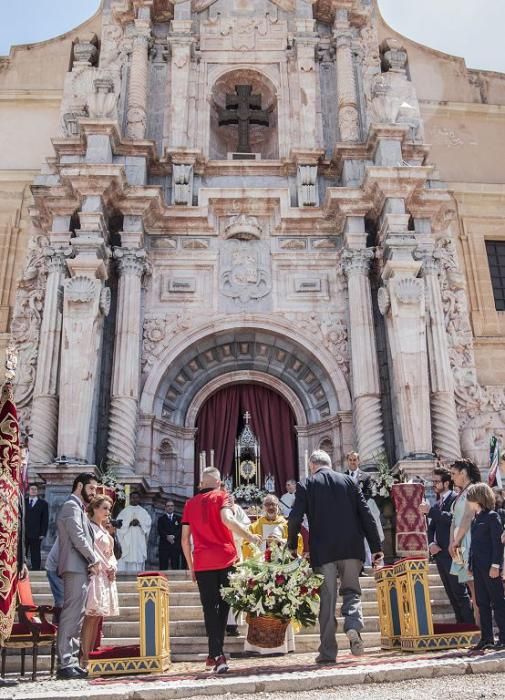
[[224, 415]]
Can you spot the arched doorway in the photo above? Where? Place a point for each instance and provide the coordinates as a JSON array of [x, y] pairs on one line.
[[272, 420]]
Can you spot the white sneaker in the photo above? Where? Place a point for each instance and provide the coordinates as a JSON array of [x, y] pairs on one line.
[[357, 646]]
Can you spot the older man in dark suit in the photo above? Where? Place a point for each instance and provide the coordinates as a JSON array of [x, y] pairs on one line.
[[169, 531], [440, 517], [339, 520]]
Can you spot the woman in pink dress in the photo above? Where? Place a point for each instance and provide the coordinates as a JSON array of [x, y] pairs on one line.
[[102, 593]]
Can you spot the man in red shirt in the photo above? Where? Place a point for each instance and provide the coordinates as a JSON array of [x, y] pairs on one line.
[[208, 519]]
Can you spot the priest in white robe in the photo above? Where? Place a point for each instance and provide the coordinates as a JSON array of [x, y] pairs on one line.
[[133, 535]]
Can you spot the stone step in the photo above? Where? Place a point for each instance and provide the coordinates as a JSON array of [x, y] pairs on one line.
[[192, 598], [187, 586]]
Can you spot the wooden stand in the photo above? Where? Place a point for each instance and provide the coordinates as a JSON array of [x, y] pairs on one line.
[[153, 653], [405, 615]]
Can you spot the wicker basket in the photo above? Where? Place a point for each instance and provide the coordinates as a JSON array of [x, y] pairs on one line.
[[266, 631]]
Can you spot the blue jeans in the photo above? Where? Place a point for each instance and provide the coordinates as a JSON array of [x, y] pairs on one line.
[[56, 584]]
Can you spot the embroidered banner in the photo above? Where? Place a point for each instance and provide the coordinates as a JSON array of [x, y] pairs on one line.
[[10, 467]]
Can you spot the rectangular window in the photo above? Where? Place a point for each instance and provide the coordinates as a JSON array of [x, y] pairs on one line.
[[496, 258]]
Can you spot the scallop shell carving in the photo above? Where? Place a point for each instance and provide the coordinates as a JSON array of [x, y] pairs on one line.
[[409, 290], [80, 289]]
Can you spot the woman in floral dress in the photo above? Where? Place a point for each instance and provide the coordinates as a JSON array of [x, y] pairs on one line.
[[102, 598]]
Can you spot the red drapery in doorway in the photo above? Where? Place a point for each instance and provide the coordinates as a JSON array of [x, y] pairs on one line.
[[272, 421]]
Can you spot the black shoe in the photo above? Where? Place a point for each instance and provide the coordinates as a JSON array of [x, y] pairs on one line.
[[69, 673], [499, 646], [323, 661], [81, 671], [8, 682], [483, 645], [232, 631]]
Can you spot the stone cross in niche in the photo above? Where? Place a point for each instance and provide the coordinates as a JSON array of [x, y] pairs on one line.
[[243, 109]]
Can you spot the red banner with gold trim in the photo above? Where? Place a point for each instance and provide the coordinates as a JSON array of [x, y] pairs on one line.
[[10, 466]]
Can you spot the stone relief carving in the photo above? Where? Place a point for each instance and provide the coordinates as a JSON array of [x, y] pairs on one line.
[[102, 102], [481, 409], [331, 329], [308, 195], [243, 227], [244, 270], [158, 332], [27, 318], [409, 290]]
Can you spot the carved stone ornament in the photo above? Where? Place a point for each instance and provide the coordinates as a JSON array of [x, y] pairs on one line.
[[158, 332], [243, 227], [102, 103], [80, 289], [71, 119], [105, 301], [245, 274], [383, 300], [27, 319], [394, 55], [86, 51], [409, 290]]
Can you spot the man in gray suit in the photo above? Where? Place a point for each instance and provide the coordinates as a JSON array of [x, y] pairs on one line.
[[76, 562]]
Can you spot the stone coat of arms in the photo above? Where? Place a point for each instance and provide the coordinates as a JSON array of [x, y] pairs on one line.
[[245, 270]]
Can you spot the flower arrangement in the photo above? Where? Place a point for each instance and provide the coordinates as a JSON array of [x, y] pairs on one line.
[[249, 494], [382, 481], [275, 585], [107, 477]]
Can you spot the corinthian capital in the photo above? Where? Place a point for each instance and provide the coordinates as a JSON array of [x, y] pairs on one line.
[[131, 261], [357, 262], [56, 259]]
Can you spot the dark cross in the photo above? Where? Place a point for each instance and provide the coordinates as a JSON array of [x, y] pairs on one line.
[[243, 109]]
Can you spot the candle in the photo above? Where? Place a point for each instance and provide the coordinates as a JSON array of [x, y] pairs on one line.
[[212, 458], [127, 494], [306, 465]]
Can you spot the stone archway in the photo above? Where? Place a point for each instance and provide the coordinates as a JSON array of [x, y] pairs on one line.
[[211, 357]]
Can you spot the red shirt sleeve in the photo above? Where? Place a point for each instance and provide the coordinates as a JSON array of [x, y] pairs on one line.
[[186, 514]]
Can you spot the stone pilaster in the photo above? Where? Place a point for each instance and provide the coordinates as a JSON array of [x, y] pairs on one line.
[[365, 371], [181, 41], [347, 99], [137, 88], [126, 372], [85, 303], [306, 41], [44, 417], [403, 304], [444, 419]]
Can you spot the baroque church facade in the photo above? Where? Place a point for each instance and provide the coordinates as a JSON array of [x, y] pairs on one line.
[[275, 193]]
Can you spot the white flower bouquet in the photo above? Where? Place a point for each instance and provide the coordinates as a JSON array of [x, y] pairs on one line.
[[249, 494], [274, 584]]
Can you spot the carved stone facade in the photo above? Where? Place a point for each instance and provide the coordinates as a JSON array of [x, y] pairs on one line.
[[328, 263]]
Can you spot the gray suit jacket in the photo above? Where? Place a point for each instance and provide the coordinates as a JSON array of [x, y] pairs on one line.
[[75, 539]]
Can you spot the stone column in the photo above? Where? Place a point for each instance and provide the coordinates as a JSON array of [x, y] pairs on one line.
[[366, 392], [444, 419], [137, 88], [126, 372], [44, 417], [347, 100]]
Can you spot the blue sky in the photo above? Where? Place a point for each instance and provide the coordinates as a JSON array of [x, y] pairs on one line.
[[469, 28]]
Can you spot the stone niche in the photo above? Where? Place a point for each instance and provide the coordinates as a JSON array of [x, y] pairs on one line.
[[264, 140]]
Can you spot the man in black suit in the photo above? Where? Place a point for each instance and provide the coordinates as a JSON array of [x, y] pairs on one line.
[[37, 521], [361, 479], [339, 520], [169, 531], [440, 516]]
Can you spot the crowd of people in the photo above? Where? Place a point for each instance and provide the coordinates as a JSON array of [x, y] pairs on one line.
[[465, 532]]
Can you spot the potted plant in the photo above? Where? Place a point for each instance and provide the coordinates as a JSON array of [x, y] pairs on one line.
[[108, 483], [273, 589]]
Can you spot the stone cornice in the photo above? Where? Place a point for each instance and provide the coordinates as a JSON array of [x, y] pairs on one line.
[[52, 97], [448, 108], [120, 146], [381, 183], [325, 10]]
